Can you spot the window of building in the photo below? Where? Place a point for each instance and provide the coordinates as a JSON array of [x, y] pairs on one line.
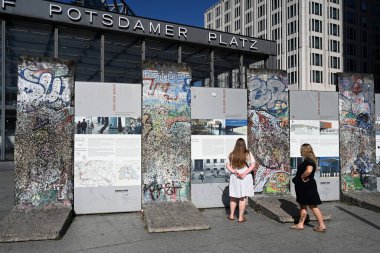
[[364, 52], [227, 29], [316, 25], [316, 59], [218, 11], [209, 17], [334, 29], [334, 46], [227, 17], [334, 1], [350, 4], [316, 42], [248, 17], [365, 70], [292, 27], [207, 160], [350, 31], [335, 62], [364, 6], [364, 21], [237, 24], [334, 78], [334, 13], [248, 31], [226, 5], [292, 11], [217, 23], [261, 25], [292, 44], [292, 77], [261, 10], [276, 4], [350, 16], [292, 61], [237, 12], [351, 49], [276, 18], [351, 65], [317, 76], [315, 8], [248, 4]]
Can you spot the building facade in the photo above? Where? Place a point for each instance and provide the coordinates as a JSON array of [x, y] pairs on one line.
[[308, 34], [362, 37], [109, 46]]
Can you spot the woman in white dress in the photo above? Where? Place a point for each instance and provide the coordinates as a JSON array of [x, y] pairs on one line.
[[240, 163]]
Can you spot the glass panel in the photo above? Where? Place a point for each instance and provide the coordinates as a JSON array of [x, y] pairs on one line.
[[23, 39], [83, 47], [198, 59], [122, 59]]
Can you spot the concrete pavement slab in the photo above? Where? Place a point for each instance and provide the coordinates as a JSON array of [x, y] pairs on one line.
[[282, 208], [173, 216]]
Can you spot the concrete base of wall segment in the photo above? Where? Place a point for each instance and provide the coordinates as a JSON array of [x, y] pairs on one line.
[[281, 208], [367, 200], [34, 224], [176, 216]]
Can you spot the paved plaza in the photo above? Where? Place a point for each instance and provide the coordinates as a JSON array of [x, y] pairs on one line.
[[351, 229]]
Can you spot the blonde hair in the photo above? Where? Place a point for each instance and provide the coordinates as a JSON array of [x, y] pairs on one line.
[[238, 156], [308, 153]]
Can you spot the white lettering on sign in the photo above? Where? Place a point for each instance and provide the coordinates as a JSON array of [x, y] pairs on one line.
[[91, 13], [4, 3], [153, 29], [123, 22], [74, 17], [233, 42], [55, 9], [140, 26], [169, 30], [107, 20]]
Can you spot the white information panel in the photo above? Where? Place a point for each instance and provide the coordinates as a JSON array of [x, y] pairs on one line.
[[218, 119], [107, 158]]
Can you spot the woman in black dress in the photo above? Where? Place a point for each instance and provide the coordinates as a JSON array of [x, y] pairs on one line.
[[306, 189]]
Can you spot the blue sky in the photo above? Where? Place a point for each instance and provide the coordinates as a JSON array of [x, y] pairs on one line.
[[187, 12]]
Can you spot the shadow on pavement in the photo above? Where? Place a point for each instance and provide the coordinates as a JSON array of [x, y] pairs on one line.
[[359, 218]]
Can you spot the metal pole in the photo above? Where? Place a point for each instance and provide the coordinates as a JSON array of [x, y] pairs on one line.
[[56, 33], [3, 40], [102, 58], [212, 69], [241, 72], [179, 54], [143, 50]]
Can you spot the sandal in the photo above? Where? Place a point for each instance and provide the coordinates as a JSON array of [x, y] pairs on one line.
[[228, 217], [319, 229], [295, 227], [241, 221]]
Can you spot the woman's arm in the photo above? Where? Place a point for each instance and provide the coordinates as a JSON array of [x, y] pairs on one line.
[[251, 166], [305, 175], [232, 170]]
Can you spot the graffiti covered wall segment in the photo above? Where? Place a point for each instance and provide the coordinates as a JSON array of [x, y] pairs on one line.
[[357, 139], [166, 133], [44, 133], [268, 129]]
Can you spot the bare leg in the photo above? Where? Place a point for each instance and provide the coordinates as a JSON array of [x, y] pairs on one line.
[[241, 208], [318, 215], [303, 214], [233, 204]]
